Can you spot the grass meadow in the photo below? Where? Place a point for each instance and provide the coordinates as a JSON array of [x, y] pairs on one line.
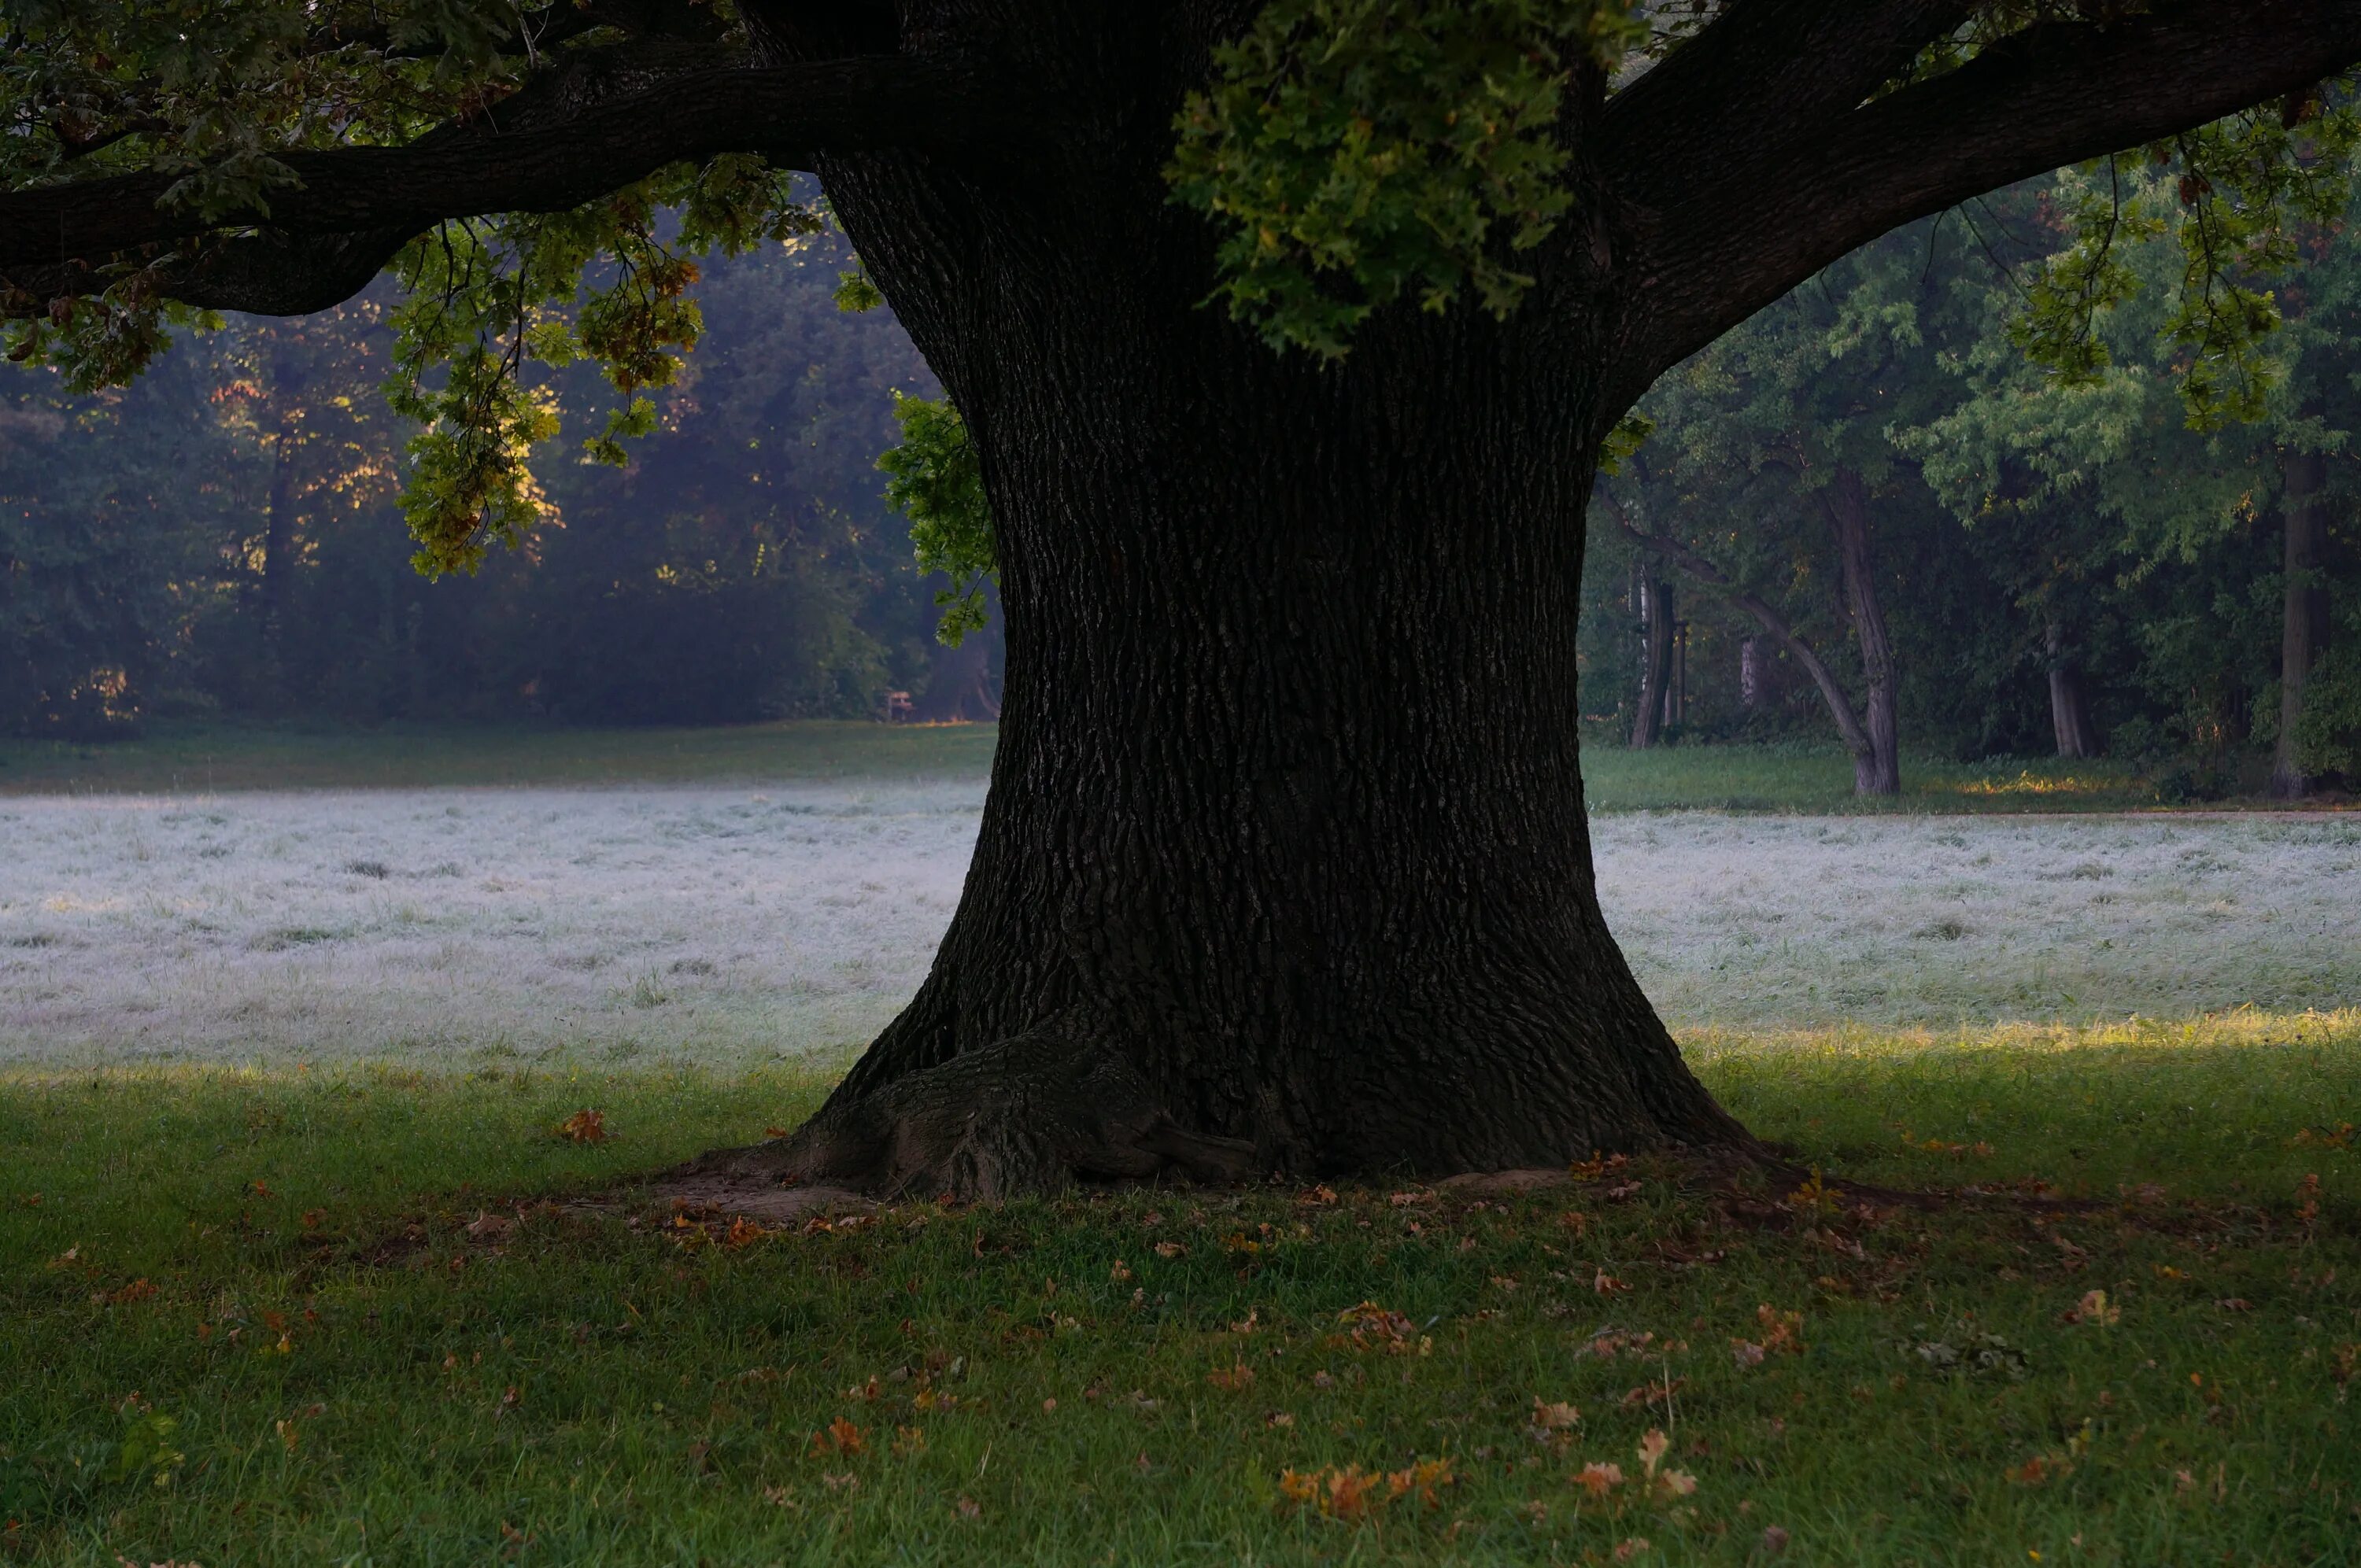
[[299, 1263], [196, 757]]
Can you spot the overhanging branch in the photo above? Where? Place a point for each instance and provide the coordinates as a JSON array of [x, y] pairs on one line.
[[262, 274], [1795, 63], [789, 114], [1731, 229]]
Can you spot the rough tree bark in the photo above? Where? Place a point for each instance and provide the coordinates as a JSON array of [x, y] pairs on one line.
[[2303, 619], [2070, 701], [1284, 864]]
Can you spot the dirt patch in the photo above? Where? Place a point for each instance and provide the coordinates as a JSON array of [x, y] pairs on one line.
[[753, 1197]]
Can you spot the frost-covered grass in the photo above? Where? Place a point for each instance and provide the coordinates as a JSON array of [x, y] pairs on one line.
[[435, 925], [1780, 921], [730, 925]]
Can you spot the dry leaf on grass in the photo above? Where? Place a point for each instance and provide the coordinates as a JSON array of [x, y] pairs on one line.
[[583, 1127]]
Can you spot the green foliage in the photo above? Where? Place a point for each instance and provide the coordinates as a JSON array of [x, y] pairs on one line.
[[113, 508], [2092, 275], [1356, 152], [2026, 520], [1624, 441], [488, 298], [2328, 736], [855, 294], [2242, 197], [934, 478], [215, 91], [743, 566], [147, 1452]]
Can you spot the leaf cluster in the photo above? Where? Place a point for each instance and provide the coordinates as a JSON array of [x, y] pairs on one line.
[[488, 298], [934, 478], [1357, 152], [2243, 199], [219, 92], [214, 92]]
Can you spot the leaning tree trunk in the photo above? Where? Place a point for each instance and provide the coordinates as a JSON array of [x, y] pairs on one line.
[[2069, 700], [1654, 712], [2303, 622], [1877, 771], [1283, 866]]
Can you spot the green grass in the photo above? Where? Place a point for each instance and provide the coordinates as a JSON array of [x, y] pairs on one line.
[[1816, 778], [201, 758], [603, 1387], [184, 758]]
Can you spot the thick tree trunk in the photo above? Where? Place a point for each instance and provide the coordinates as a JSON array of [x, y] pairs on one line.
[[1877, 771], [1654, 713], [2070, 703], [1284, 865], [2304, 621]]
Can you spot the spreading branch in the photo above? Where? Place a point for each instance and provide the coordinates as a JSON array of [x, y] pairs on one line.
[[1731, 227], [789, 113], [1804, 64], [261, 274]]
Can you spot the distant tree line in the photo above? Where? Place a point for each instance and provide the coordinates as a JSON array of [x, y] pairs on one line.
[[1866, 513], [223, 537]]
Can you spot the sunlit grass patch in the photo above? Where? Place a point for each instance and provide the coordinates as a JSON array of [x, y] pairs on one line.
[[1801, 776], [186, 758], [2214, 1106], [296, 1316], [2109, 783]]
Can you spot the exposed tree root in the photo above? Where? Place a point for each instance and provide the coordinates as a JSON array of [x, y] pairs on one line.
[[764, 1183], [1036, 1114]]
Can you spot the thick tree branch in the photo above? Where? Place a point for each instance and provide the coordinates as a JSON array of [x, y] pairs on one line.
[[262, 274], [1724, 233], [1715, 581], [820, 29], [1793, 63], [789, 114]]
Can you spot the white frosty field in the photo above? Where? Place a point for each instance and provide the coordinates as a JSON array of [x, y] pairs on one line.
[[730, 924]]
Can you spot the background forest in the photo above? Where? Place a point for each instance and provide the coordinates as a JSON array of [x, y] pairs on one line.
[[1864, 515], [225, 537]]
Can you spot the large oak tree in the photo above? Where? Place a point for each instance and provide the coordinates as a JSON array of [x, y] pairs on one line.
[[1284, 864]]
